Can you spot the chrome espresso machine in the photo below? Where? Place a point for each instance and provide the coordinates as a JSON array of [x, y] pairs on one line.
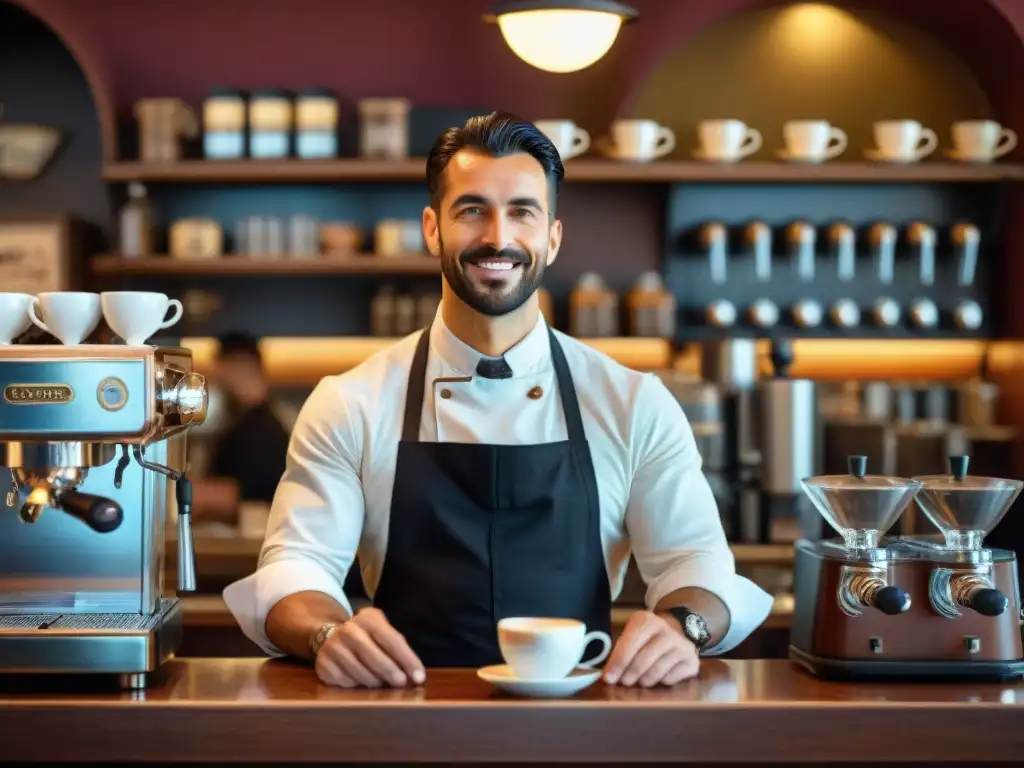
[[93, 437], [929, 607]]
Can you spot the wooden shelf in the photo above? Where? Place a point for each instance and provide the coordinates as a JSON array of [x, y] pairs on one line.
[[303, 361], [577, 170], [347, 264]]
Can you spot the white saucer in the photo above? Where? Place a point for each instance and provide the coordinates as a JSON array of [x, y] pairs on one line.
[[501, 676], [877, 157], [698, 154], [784, 155], [952, 154]]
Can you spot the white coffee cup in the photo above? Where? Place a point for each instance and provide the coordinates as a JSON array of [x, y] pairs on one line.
[[980, 141], [641, 140], [547, 649], [68, 315], [727, 140], [137, 315], [14, 317], [813, 140], [904, 140], [569, 139]]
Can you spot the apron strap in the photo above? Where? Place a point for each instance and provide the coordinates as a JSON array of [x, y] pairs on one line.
[[567, 391], [417, 385]]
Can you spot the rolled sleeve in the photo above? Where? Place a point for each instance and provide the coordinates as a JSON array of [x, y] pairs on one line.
[[316, 519], [673, 522]]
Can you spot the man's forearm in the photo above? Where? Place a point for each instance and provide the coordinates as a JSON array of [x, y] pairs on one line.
[[703, 602], [296, 618]]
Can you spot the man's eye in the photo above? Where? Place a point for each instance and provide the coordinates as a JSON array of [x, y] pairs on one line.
[[473, 210], [522, 213]]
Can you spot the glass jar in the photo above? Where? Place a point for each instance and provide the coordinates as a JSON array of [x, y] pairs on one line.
[[384, 128], [224, 125], [316, 124], [270, 124]]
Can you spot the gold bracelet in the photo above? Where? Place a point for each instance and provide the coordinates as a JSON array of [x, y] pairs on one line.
[[317, 641]]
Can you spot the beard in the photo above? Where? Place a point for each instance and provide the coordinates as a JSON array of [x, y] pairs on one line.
[[513, 277]]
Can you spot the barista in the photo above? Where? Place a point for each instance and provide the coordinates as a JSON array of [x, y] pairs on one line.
[[490, 466], [252, 448]]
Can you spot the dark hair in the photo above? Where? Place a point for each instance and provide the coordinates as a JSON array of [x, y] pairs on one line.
[[240, 343], [499, 134]]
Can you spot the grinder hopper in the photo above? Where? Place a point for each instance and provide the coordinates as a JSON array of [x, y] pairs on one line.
[[964, 508], [860, 507]]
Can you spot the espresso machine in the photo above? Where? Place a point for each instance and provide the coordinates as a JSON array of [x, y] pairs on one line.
[[93, 438], [926, 607]]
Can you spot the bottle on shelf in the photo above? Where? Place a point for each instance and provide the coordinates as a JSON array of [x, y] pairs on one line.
[[651, 308], [136, 224], [593, 308]]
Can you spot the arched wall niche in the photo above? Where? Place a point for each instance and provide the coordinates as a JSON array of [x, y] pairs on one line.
[[41, 82], [88, 59], [766, 65], [978, 32]]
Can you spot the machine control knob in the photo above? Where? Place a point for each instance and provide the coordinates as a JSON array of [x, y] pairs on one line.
[[892, 601], [808, 313], [886, 313], [968, 315], [183, 396], [721, 313], [845, 313], [763, 313], [924, 313]]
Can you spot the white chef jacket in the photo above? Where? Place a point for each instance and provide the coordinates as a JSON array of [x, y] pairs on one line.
[[335, 496]]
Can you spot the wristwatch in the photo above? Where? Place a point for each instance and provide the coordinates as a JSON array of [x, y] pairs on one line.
[[316, 642], [693, 624]]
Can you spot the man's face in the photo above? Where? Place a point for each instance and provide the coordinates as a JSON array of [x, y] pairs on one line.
[[494, 232]]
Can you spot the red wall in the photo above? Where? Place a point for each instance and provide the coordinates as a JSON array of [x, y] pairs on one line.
[[440, 53]]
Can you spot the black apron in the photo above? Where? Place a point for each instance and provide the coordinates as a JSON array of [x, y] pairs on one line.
[[481, 532]]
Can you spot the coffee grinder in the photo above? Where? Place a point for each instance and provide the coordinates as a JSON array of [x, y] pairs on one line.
[[908, 608]]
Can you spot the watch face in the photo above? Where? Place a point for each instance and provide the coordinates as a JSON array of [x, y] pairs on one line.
[[695, 628]]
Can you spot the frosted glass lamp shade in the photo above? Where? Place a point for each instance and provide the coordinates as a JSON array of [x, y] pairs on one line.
[[561, 35]]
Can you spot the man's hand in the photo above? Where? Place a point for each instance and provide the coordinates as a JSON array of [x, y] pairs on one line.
[[367, 651], [651, 651]]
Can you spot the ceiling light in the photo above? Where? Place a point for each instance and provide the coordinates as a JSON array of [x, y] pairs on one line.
[[561, 35]]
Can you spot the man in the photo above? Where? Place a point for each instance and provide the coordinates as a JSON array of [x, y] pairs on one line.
[[491, 467], [252, 448]]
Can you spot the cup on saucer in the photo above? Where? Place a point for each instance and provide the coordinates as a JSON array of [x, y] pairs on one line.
[[14, 318], [981, 141], [812, 141], [544, 657], [902, 141], [638, 141], [726, 141]]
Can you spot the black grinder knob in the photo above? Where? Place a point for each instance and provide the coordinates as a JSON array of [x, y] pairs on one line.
[[989, 602], [892, 601]]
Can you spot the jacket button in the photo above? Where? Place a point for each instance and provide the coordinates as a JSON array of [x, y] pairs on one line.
[[535, 394], [446, 394]]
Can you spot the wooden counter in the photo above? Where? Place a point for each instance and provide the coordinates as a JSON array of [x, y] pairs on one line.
[[737, 711]]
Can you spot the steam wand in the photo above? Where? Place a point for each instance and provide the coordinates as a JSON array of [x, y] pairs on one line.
[[183, 495]]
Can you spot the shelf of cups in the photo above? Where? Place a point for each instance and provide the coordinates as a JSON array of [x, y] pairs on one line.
[[231, 264], [577, 170]]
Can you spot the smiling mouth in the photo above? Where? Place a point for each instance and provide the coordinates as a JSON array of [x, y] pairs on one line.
[[492, 268]]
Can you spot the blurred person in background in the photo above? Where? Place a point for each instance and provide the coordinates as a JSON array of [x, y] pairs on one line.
[[253, 442]]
